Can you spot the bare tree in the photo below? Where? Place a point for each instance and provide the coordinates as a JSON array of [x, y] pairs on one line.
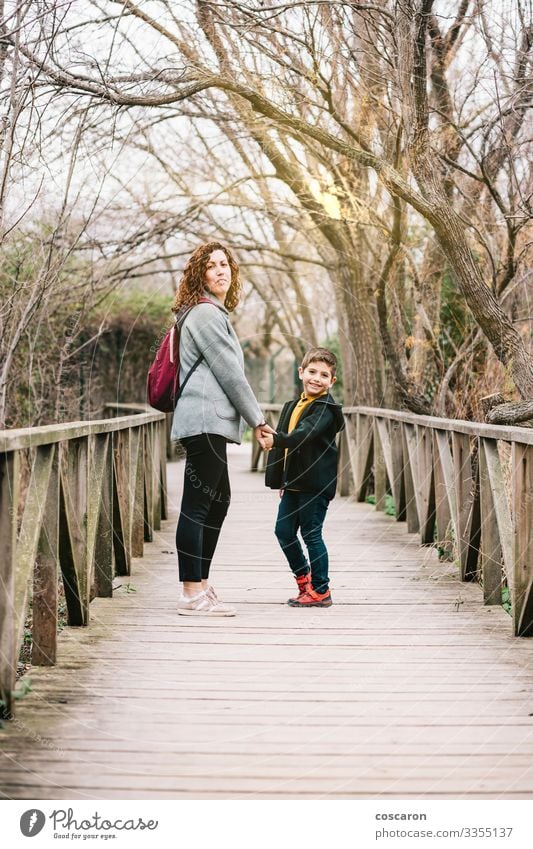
[[331, 94]]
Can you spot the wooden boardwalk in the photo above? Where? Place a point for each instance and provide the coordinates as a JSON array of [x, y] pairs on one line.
[[407, 686]]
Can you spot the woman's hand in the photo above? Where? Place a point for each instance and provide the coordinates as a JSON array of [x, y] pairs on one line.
[[261, 432], [267, 441]]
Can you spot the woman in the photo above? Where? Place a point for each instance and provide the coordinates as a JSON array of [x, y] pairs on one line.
[[215, 400]]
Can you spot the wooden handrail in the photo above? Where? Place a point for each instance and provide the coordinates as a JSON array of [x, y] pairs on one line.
[[77, 500], [509, 434]]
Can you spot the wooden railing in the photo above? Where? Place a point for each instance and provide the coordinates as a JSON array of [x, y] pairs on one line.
[[466, 487], [77, 500]]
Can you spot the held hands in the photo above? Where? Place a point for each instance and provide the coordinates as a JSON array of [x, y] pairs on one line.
[[264, 435], [267, 441]]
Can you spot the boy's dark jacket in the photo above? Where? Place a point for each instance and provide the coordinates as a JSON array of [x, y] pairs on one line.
[[312, 452]]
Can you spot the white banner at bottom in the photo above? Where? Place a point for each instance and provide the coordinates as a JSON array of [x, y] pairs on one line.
[[263, 824]]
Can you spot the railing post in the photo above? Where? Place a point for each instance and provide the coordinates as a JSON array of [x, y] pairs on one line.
[[9, 496], [522, 600], [467, 505], [103, 507], [490, 551], [45, 577], [73, 551], [443, 514], [364, 455], [257, 455], [398, 471], [161, 428], [380, 471], [345, 472], [411, 510], [148, 487], [156, 479], [426, 485], [137, 482], [121, 547]]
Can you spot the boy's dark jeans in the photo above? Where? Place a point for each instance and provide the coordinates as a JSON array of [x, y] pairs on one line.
[[304, 511], [205, 502]]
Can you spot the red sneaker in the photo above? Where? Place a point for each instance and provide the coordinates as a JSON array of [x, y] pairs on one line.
[[304, 584], [312, 599]]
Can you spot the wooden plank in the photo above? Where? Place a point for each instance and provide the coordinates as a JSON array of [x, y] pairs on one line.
[[448, 475], [379, 470], [161, 430], [490, 541], [350, 430], [411, 509], [76, 482], [121, 550], [426, 482], [148, 487], [71, 568], [123, 490], [520, 435], [32, 437], [103, 549], [467, 505], [386, 448], [30, 531], [9, 497], [502, 515], [398, 472], [137, 493], [156, 480], [98, 447], [522, 581], [344, 471], [258, 457], [364, 455], [45, 577], [443, 515], [421, 466]]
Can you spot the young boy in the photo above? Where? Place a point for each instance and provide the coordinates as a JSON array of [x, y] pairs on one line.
[[303, 465]]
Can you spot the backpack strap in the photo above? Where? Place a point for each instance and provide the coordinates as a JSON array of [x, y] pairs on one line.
[[180, 318]]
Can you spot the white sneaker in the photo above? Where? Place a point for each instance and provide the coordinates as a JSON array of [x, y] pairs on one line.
[[212, 596], [203, 605]]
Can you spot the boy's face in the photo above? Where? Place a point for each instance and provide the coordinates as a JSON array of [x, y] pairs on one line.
[[316, 378]]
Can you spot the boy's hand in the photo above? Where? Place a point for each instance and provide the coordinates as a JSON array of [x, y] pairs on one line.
[[260, 432], [267, 441]]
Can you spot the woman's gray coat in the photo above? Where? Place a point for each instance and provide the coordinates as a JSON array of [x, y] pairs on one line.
[[217, 398]]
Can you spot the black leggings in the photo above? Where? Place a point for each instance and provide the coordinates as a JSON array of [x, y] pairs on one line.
[[205, 502]]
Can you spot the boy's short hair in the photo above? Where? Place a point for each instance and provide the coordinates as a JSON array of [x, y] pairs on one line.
[[320, 355]]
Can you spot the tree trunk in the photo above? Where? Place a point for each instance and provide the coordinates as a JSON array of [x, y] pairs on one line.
[[359, 339]]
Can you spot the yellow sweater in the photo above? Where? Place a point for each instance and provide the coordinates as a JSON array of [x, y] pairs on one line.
[[300, 407]]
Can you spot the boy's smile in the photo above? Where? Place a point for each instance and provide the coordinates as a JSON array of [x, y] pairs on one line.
[[316, 378]]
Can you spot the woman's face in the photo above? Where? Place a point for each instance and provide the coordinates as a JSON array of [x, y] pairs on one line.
[[218, 274]]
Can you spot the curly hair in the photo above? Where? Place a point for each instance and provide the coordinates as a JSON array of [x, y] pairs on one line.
[[192, 284]]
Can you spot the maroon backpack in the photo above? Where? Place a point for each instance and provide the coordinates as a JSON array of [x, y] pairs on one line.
[[162, 387]]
